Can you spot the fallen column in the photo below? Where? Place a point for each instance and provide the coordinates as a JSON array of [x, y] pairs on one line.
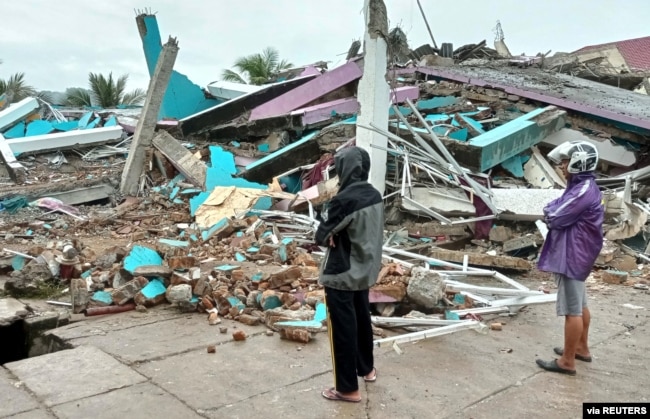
[[147, 123]]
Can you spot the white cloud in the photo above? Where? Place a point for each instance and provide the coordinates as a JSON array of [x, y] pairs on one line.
[[56, 43]]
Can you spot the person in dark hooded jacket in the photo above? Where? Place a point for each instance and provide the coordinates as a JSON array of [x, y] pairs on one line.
[[573, 242], [352, 229]]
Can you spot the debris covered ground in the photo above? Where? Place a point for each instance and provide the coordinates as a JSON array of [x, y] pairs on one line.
[[111, 211]]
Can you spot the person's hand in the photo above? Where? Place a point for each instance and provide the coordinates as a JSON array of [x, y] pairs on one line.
[[332, 241]]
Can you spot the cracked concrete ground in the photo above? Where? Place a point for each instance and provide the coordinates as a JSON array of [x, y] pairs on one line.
[[155, 364]]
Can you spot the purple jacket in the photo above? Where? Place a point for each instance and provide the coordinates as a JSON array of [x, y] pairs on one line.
[[575, 222]]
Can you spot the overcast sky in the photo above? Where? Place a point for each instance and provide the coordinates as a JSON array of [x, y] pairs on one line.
[[56, 43]]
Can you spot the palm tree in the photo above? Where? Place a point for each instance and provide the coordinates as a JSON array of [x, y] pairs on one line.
[[16, 88], [257, 68], [105, 92]]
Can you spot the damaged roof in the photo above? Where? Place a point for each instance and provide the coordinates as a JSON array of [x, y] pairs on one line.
[[636, 52], [607, 102]]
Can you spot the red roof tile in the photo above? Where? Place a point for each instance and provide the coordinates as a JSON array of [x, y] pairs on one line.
[[636, 52]]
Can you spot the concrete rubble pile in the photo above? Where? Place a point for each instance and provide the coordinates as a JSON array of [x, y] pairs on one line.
[[216, 209]]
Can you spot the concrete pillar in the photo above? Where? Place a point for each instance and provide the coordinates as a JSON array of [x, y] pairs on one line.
[[144, 132], [373, 91]]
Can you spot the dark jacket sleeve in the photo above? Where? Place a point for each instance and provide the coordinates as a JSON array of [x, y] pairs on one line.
[[335, 216]]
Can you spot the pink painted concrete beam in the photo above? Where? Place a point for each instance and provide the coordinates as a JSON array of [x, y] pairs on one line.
[[325, 111], [400, 94], [308, 92]]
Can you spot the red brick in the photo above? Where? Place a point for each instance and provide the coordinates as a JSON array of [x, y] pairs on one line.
[[182, 262], [239, 335]]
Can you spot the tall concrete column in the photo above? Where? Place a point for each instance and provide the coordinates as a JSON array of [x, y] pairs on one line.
[[144, 132], [373, 91]]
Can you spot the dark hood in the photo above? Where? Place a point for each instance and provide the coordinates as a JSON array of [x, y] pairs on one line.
[[352, 165]]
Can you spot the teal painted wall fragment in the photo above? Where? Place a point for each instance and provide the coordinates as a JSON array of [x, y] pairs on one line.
[[206, 234], [236, 302], [17, 131], [227, 268], [174, 243], [66, 126], [39, 127], [514, 165], [111, 122], [84, 120], [153, 289], [93, 123], [475, 124], [103, 297], [516, 136], [18, 263], [182, 98], [220, 173], [140, 256], [276, 153], [436, 102], [460, 135]]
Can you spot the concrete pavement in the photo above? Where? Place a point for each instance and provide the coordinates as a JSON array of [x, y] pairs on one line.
[[155, 364]]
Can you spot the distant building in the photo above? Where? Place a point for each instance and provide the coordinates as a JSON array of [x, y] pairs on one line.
[[630, 56]]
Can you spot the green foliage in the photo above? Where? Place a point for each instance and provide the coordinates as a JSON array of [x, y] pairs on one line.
[[106, 92], [16, 88], [257, 68]]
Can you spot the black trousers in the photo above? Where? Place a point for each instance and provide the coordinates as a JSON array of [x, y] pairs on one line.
[[350, 333]]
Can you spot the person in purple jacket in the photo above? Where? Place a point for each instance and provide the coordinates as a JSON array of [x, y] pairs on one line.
[[573, 242]]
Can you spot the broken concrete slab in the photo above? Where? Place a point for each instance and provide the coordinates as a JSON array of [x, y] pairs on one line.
[[7, 157], [400, 94], [17, 111], [226, 90], [82, 195], [11, 310], [193, 168], [301, 152], [608, 151], [444, 200], [312, 115], [44, 374], [539, 172], [516, 136], [519, 244], [425, 288], [481, 259], [523, 204], [15, 398], [308, 92], [65, 140], [153, 271], [585, 97], [201, 122], [140, 399], [259, 128]]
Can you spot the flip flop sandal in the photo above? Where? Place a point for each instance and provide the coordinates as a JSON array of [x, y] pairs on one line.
[[579, 357], [332, 394], [374, 377], [552, 366]]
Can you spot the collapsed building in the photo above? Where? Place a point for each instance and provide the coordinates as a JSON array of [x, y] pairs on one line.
[[216, 194]]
